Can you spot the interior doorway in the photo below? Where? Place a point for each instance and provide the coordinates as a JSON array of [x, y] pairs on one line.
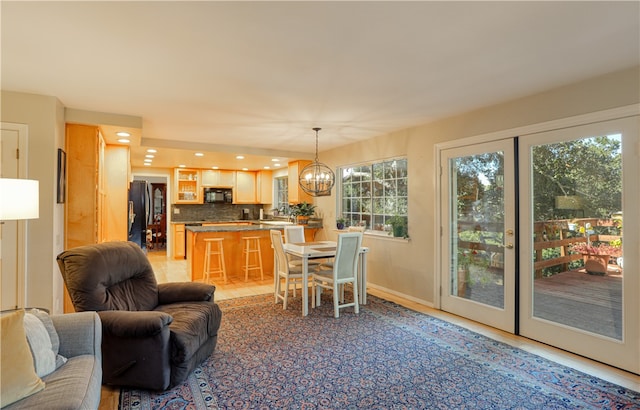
[[156, 206]]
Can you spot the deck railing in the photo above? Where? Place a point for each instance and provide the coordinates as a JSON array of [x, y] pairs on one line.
[[553, 234]]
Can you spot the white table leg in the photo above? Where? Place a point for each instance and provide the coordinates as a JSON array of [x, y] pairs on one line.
[[362, 283], [305, 286]]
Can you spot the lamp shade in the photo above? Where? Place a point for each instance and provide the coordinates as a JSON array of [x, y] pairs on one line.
[[18, 199]]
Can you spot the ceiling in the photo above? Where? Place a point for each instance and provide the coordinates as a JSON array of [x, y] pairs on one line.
[[253, 78]]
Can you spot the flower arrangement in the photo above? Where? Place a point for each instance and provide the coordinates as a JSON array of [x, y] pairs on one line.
[[600, 249]]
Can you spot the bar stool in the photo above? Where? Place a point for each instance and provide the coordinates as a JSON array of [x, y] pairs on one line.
[[252, 247], [208, 253]]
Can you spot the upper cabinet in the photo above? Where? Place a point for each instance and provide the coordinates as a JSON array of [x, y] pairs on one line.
[[296, 194], [245, 188], [217, 178], [188, 186], [264, 187]]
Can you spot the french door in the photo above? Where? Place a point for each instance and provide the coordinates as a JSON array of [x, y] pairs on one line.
[[478, 279], [562, 268], [579, 273]]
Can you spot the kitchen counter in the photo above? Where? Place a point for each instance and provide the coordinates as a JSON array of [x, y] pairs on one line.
[[232, 233]]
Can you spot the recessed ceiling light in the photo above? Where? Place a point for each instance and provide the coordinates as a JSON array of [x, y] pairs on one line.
[[124, 141], [123, 134], [215, 167], [245, 169], [148, 160], [276, 165], [152, 151], [239, 157], [199, 154], [147, 164], [149, 156], [182, 166], [267, 167], [274, 160]]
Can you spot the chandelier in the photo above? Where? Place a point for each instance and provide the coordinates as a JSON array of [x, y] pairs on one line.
[[317, 179]]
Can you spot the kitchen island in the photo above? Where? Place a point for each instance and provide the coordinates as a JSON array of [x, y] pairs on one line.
[[233, 234]]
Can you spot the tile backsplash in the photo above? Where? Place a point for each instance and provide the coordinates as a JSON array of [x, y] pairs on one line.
[[212, 212]]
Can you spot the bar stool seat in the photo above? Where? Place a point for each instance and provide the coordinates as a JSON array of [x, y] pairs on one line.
[[252, 247], [218, 252]]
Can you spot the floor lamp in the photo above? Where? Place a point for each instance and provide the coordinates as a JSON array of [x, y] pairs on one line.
[[18, 199]]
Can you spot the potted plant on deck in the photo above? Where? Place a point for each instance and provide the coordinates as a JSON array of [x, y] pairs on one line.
[[302, 212], [596, 257]]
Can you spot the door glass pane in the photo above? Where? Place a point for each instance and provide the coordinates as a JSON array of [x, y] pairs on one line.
[[477, 226], [577, 234]]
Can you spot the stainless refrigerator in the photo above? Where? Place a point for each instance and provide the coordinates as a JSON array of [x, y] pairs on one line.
[[139, 212]]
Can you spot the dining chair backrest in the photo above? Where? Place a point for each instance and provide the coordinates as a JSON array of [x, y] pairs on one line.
[[282, 264], [294, 234], [346, 262]]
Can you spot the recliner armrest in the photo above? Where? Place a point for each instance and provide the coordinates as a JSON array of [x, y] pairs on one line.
[[134, 324], [174, 292]]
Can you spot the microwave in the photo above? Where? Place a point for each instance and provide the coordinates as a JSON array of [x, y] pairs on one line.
[[217, 195]]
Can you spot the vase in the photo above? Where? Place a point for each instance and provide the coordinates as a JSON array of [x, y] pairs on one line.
[[595, 264], [302, 220]]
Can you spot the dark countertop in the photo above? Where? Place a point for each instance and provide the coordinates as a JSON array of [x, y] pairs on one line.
[[255, 226]]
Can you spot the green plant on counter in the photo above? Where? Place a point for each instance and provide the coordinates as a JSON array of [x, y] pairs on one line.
[[302, 209]]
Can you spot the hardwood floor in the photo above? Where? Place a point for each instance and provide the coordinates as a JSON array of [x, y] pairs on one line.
[[169, 270]]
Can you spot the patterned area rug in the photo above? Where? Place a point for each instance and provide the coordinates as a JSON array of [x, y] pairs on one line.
[[387, 357]]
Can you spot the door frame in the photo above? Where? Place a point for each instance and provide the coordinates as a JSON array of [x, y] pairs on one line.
[[605, 115], [631, 332], [21, 226]]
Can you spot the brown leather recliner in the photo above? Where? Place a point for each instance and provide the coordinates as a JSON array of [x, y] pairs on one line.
[[154, 335]]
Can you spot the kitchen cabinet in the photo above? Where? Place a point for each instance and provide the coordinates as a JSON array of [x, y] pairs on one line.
[[264, 187], [178, 241], [97, 190], [217, 178], [296, 194], [244, 191], [85, 186], [187, 186]]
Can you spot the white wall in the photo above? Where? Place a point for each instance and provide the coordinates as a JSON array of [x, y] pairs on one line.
[[44, 117], [407, 268]]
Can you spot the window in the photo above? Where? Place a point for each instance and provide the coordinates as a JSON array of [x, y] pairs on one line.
[[282, 193], [371, 194]]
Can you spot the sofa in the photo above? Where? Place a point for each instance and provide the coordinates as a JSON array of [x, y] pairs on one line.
[[153, 335], [54, 363]]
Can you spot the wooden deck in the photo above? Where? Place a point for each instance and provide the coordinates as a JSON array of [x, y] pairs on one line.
[[573, 298], [578, 299]]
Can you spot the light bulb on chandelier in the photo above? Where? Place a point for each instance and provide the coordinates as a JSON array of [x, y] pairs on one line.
[[317, 179]]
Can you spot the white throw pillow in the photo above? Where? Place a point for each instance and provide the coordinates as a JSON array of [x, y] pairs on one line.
[[53, 334], [44, 358]]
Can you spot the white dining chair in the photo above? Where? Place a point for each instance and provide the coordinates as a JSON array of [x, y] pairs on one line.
[[295, 234], [345, 270], [283, 270]]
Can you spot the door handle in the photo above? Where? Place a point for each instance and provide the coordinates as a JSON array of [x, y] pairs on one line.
[[508, 246]]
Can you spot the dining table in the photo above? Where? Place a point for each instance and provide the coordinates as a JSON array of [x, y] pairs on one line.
[[307, 251]]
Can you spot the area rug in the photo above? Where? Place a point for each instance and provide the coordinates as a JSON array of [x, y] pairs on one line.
[[387, 357]]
